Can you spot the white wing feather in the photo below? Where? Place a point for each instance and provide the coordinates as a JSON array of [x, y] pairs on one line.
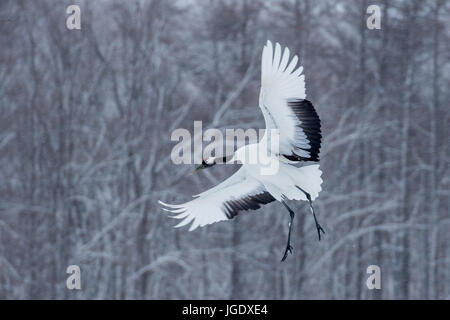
[[214, 205], [281, 82]]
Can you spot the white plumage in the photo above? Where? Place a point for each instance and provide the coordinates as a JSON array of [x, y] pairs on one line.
[[285, 108]]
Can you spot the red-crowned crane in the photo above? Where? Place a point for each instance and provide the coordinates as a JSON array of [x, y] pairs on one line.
[[283, 103]]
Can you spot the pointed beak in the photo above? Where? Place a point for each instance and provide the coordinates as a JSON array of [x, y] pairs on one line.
[[202, 166]]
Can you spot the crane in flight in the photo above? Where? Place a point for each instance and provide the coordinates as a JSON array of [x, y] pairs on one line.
[[286, 111]]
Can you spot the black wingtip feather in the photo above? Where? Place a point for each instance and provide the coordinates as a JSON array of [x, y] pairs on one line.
[[310, 125], [232, 207]]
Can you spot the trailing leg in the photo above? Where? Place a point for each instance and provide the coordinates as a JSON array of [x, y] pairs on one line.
[[318, 226], [288, 245]]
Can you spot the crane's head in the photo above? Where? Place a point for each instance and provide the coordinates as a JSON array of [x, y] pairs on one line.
[[211, 161], [206, 163]]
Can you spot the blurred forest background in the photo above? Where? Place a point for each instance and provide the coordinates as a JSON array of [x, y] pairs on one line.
[[85, 123]]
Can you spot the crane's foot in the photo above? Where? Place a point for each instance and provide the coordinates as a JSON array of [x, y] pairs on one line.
[[318, 226], [288, 250], [319, 230]]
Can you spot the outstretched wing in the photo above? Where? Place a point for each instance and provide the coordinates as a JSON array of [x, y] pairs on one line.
[[285, 108], [222, 202]]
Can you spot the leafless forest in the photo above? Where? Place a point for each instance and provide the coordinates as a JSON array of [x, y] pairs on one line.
[[85, 123]]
